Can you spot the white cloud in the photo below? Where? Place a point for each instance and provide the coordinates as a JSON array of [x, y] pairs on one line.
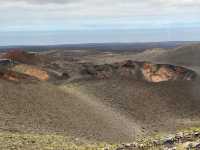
[[96, 13], [178, 2]]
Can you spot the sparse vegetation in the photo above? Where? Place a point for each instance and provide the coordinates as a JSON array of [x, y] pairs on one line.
[[19, 141]]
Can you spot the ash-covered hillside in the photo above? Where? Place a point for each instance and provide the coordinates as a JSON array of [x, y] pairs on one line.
[[98, 96]]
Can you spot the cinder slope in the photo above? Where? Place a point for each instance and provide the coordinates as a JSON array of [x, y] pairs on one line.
[[42, 107], [117, 109], [186, 55], [156, 107]]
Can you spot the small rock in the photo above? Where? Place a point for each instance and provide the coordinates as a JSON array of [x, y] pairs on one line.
[[169, 140], [192, 145], [197, 134], [141, 145], [179, 135], [134, 144], [168, 148], [157, 142], [196, 145]]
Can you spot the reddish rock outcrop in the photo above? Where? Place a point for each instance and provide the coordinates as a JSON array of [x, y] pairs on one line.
[[32, 71], [165, 72], [21, 56], [140, 70], [14, 76]]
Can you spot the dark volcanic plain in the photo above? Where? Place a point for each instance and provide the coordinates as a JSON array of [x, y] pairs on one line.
[[109, 108]]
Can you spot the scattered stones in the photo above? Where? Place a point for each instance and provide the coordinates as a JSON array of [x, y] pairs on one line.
[[168, 140], [187, 140], [192, 145]]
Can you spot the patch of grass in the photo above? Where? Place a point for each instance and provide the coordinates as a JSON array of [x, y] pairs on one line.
[[190, 130], [17, 141]]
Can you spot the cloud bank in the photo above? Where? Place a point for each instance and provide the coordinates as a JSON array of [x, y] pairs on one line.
[[97, 14]]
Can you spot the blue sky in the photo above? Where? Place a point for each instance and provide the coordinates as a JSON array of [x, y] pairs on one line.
[[53, 15], [97, 21]]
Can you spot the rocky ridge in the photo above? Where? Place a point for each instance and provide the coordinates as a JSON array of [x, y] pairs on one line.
[[141, 70]]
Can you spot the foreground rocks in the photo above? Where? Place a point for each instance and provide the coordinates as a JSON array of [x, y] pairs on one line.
[[141, 70], [187, 140]]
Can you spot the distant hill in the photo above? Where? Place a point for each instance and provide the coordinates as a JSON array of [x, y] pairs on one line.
[[185, 55], [121, 47]]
